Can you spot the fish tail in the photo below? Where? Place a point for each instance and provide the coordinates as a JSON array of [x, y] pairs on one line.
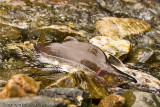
[[41, 39]]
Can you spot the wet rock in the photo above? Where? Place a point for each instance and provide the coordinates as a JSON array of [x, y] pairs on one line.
[[35, 13], [121, 27], [147, 10], [74, 95], [61, 1], [20, 86], [112, 101], [141, 99], [62, 30], [2, 83], [112, 45], [37, 101], [9, 33], [140, 56], [87, 81], [21, 49], [145, 53]]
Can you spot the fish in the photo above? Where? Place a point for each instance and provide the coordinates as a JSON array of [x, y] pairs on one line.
[[81, 54]]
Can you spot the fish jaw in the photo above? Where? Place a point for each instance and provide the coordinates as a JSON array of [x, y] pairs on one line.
[[118, 73]]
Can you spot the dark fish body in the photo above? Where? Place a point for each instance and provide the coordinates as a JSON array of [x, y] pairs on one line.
[[80, 52]]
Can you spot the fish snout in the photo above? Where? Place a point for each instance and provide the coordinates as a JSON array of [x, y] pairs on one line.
[[119, 73]]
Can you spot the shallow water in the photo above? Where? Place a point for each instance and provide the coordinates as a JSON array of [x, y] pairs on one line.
[[24, 19]]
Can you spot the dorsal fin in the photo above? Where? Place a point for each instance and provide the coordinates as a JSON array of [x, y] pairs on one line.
[[69, 38], [41, 39]]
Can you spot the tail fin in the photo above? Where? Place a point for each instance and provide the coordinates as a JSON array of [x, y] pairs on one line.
[[41, 39]]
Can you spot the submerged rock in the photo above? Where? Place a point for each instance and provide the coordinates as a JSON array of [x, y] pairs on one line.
[[112, 101], [112, 45], [87, 81], [147, 10], [9, 33], [74, 95], [37, 101], [20, 86], [35, 13], [140, 55], [121, 27], [140, 99]]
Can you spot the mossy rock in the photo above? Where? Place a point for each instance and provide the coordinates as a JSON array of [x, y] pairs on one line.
[[87, 81]]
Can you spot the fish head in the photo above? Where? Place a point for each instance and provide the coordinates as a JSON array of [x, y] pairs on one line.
[[144, 81]]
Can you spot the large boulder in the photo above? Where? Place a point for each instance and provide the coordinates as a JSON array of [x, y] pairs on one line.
[[121, 27], [87, 81]]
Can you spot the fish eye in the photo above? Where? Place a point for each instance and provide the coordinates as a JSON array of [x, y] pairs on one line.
[[133, 73]]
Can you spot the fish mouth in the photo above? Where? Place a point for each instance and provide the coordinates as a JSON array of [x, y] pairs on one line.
[[120, 68], [118, 73], [124, 75]]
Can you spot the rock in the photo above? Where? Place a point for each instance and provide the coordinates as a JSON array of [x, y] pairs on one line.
[[2, 83], [87, 81], [21, 49], [147, 10], [74, 95], [58, 1], [45, 13], [121, 27], [140, 99], [63, 30], [20, 86], [112, 101], [37, 101], [9, 33], [140, 55], [112, 45]]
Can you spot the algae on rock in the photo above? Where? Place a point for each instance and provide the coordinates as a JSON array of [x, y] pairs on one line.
[[112, 101], [87, 81], [121, 27]]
